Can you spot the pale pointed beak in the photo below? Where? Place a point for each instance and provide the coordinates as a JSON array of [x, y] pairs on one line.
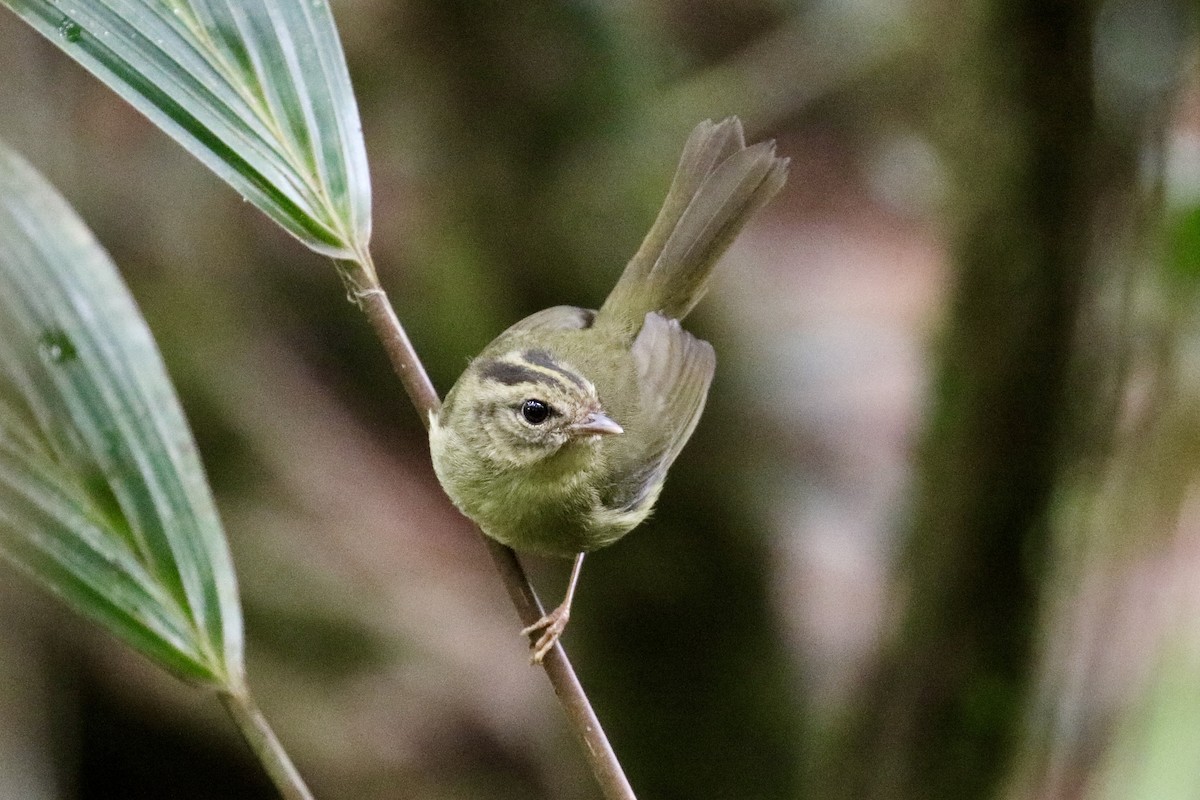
[[596, 422]]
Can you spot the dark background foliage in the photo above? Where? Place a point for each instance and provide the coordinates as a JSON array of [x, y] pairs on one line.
[[936, 536]]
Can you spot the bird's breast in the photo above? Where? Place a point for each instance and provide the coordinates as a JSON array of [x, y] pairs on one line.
[[553, 508]]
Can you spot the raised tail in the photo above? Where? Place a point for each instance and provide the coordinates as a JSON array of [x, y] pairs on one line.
[[719, 184]]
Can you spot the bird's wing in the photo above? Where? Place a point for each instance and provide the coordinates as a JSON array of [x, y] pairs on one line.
[[674, 370], [555, 318]]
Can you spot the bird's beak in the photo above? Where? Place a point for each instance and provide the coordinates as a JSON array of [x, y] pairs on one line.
[[596, 422]]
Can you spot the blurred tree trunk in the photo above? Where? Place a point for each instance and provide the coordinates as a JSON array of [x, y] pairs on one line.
[[1013, 109]]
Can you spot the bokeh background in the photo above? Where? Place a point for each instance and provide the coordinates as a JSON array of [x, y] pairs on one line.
[[937, 535]]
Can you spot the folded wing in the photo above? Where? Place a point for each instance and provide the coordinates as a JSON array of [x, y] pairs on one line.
[[674, 371]]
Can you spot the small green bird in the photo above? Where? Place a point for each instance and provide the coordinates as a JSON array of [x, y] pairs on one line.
[[557, 438]]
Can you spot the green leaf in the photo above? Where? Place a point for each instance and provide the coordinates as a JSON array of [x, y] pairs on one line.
[[256, 89], [102, 496]]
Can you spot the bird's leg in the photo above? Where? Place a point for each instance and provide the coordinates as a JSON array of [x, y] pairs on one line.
[[555, 622]]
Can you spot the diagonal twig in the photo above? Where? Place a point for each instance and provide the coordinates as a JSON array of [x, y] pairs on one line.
[[364, 288]]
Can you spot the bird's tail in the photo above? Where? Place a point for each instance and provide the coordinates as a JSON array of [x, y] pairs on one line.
[[719, 184]]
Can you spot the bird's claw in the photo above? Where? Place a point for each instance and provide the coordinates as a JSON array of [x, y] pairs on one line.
[[551, 625]]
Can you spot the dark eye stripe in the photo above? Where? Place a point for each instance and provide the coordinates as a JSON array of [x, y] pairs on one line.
[[511, 374], [544, 360]]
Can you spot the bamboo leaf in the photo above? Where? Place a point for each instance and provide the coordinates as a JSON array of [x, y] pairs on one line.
[[256, 89], [102, 496]]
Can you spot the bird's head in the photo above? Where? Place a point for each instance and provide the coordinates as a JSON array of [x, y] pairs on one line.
[[524, 406]]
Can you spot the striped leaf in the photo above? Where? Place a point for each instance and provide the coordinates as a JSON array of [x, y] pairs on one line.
[[102, 496], [256, 89]]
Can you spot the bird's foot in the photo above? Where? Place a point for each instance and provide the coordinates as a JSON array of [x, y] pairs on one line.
[[551, 625]]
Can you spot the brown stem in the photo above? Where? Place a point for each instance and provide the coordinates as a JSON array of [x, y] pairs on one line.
[[266, 747], [600, 755], [407, 364], [364, 288]]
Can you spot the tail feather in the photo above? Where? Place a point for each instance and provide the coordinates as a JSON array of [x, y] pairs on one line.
[[718, 186]]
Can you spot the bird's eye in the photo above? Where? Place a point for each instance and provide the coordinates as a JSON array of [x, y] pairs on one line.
[[535, 412]]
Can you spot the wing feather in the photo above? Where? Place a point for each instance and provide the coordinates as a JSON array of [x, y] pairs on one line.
[[674, 371]]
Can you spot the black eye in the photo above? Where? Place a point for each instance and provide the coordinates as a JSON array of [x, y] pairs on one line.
[[535, 412]]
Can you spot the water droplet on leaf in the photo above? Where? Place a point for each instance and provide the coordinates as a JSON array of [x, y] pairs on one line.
[[70, 30], [57, 347]]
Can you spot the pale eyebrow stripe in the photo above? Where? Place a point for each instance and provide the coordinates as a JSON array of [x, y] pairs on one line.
[[511, 374], [541, 358]]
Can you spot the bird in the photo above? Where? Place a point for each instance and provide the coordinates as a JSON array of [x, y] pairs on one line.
[[556, 439]]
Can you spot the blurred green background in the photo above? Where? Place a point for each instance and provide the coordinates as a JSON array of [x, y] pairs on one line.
[[937, 535]]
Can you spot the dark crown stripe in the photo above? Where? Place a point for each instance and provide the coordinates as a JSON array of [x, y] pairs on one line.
[[511, 374], [544, 360]]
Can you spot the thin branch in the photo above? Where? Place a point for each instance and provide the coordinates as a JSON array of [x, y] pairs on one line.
[[266, 746], [600, 754], [364, 288], [407, 364]]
